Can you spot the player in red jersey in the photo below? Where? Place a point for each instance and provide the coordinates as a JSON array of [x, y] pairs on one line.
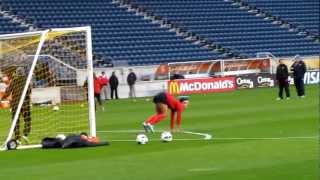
[[97, 86], [163, 101]]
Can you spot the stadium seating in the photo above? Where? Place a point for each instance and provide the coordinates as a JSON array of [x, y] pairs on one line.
[[7, 26], [303, 14], [228, 25], [122, 37], [118, 35]]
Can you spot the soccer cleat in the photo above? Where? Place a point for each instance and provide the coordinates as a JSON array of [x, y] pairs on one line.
[[25, 139], [150, 127], [145, 127], [287, 98], [278, 99], [179, 129]]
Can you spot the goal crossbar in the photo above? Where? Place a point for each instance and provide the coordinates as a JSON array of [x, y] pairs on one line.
[[42, 35]]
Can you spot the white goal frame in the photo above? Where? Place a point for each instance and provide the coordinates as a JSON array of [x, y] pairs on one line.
[[89, 56]]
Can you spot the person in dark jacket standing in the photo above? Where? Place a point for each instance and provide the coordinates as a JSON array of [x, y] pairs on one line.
[[282, 75], [299, 68], [113, 81], [131, 80]]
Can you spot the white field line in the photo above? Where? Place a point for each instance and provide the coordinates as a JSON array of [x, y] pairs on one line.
[[202, 169], [29, 146], [208, 136], [25, 147], [269, 138], [124, 131], [226, 139], [175, 139], [204, 136]]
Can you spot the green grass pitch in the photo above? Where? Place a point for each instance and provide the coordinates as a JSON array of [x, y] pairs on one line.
[[255, 137]]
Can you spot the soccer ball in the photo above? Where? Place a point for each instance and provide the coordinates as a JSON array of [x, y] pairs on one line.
[[166, 136], [142, 139], [56, 108], [61, 137]]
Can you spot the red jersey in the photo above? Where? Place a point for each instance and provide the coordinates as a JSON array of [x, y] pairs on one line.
[[97, 85], [176, 107], [104, 80], [173, 103]]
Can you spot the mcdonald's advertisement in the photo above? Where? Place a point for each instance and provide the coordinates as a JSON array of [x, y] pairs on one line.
[[199, 86]]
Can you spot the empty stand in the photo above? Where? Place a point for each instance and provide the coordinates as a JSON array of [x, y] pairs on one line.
[[7, 26], [303, 14], [226, 24], [118, 35], [121, 36]]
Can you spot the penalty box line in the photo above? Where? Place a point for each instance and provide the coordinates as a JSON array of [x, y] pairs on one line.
[[202, 135], [209, 136], [270, 138]]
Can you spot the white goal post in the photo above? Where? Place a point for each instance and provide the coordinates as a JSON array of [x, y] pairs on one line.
[[40, 86]]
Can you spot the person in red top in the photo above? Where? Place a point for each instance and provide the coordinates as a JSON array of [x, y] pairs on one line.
[[163, 101], [97, 86], [104, 82]]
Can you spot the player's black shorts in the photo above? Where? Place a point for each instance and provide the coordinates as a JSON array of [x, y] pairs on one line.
[[160, 98]]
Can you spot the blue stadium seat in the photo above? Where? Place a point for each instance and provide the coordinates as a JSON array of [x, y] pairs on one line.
[[7, 26], [117, 33], [124, 36], [303, 14], [231, 27]]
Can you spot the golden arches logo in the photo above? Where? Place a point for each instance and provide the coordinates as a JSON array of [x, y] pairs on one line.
[[174, 87]]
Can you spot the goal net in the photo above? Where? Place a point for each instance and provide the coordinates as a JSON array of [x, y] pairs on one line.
[[46, 85]]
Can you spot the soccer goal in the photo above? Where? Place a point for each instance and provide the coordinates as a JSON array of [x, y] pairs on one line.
[[46, 85]]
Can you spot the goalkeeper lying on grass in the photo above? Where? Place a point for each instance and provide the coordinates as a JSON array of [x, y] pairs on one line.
[[163, 101], [72, 141]]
